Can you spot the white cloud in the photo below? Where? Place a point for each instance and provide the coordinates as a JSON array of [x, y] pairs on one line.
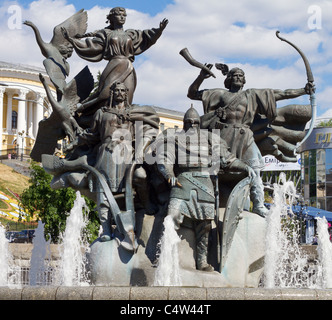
[[324, 98], [237, 33]]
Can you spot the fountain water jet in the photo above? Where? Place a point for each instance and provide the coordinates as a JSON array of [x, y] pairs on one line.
[[38, 267], [281, 242], [10, 275], [167, 273], [286, 264], [4, 255], [324, 249], [72, 268]]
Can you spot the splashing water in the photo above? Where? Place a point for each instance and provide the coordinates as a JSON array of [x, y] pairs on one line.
[[38, 266], [10, 275], [72, 268], [168, 273], [4, 255], [324, 249], [286, 265]]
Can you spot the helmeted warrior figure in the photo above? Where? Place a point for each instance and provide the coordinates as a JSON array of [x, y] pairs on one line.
[[187, 159]]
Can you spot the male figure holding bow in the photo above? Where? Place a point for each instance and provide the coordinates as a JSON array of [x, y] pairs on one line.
[[232, 110]]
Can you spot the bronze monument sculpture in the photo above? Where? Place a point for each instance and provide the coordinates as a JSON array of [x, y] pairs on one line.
[[203, 175], [119, 47], [58, 50], [192, 195], [233, 112]]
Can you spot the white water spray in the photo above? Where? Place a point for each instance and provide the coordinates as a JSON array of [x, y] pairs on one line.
[[38, 266], [72, 271], [324, 249], [10, 275], [286, 265], [168, 273], [4, 257]]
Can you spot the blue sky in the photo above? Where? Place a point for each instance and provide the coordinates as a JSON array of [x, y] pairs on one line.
[[151, 7], [239, 33]]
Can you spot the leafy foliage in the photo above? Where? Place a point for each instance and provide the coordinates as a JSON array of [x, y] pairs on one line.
[[52, 207], [325, 123]]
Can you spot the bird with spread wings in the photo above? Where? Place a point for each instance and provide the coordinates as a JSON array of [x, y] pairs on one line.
[[56, 52]]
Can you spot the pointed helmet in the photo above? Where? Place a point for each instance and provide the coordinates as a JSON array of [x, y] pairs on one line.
[[192, 116]]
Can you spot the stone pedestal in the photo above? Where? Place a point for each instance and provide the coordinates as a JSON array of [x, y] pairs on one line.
[[111, 265]]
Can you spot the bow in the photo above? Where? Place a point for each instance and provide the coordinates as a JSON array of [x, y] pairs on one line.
[[310, 79]]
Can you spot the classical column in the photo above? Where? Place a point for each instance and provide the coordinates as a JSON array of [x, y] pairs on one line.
[[40, 108], [39, 113], [21, 111], [2, 91], [30, 120], [35, 123], [9, 111]]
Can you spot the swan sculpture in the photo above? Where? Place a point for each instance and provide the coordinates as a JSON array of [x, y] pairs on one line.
[[59, 49]]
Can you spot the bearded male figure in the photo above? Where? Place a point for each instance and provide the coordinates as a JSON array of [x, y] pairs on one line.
[[233, 110], [110, 141]]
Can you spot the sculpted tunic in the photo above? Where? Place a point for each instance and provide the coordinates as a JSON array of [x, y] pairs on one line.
[[192, 164], [237, 133]]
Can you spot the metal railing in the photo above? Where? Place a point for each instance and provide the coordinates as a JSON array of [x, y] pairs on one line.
[[20, 276]]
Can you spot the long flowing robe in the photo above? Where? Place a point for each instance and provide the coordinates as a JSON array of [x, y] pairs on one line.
[[119, 47]]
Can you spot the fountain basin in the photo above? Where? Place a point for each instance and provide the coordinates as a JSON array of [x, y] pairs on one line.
[[160, 293]]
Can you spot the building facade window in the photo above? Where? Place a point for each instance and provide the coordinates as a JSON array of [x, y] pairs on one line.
[[316, 168], [14, 120]]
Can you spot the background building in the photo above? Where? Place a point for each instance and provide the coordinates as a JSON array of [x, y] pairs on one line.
[[169, 118], [23, 104], [316, 168]]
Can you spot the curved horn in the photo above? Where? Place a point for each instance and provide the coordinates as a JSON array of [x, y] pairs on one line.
[[185, 53]]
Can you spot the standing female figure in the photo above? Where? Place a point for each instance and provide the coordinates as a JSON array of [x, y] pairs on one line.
[[119, 47]]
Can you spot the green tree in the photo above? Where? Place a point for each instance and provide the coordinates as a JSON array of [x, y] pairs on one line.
[[325, 123], [52, 207]]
